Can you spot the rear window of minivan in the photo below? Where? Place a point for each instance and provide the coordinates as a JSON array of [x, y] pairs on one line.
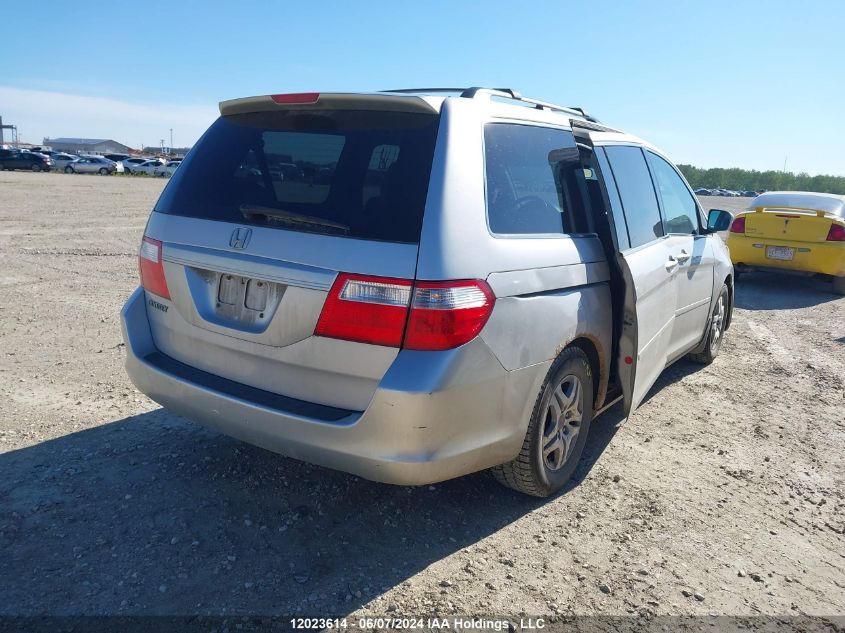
[[355, 173]]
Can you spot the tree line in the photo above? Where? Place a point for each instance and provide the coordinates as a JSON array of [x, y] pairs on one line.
[[752, 180]]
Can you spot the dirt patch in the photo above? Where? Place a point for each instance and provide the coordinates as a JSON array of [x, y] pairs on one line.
[[723, 494]]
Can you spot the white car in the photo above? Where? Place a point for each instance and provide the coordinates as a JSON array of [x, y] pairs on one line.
[[166, 170], [131, 165], [145, 167]]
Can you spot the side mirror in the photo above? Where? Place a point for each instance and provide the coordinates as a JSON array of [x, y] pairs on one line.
[[718, 220]]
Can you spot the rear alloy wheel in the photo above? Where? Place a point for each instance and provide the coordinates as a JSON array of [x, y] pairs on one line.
[[715, 331], [104, 171], [557, 431], [68, 169], [35, 167]]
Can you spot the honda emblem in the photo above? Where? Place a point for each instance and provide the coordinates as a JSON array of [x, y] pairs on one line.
[[240, 238]]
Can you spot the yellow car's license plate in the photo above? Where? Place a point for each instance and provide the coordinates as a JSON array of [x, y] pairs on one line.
[[780, 252]]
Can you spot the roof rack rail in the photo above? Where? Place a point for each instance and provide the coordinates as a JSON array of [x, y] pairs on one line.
[[506, 93]]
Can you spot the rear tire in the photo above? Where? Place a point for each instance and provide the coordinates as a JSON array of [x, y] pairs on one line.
[[104, 171], [35, 167], [715, 330], [557, 431], [68, 169], [839, 285]]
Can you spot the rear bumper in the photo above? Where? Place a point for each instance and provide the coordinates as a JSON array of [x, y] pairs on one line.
[[827, 258], [434, 416]]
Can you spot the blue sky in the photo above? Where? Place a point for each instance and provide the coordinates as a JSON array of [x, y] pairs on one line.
[[712, 83]]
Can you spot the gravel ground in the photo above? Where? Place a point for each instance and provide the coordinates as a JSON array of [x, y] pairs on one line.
[[723, 494]]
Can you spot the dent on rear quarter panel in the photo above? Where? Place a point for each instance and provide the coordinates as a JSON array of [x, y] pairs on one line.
[[524, 331]]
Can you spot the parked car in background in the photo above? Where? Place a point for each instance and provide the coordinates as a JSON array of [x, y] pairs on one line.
[[60, 161], [748, 194], [116, 158], [130, 163], [145, 167], [469, 299], [703, 192], [91, 165], [725, 192], [11, 159], [167, 169], [792, 230]]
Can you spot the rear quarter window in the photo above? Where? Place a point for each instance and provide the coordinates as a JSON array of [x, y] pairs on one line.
[[361, 174], [531, 177]]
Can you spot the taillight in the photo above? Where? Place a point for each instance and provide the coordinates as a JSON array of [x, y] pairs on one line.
[[151, 268], [836, 233], [446, 314], [738, 225], [297, 97], [366, 309], [428, 315]]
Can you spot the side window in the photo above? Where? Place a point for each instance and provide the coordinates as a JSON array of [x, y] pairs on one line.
[[679, 207], [636, 192], [615, 201], [523, 170]]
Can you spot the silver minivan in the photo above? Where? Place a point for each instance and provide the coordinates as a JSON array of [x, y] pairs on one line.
[[449, 281]]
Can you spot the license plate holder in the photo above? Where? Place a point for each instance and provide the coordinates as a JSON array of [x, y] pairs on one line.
[[245, 298], [783, 253]]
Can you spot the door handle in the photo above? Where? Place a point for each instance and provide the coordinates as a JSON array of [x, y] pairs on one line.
[[683, 257], [672, 264]]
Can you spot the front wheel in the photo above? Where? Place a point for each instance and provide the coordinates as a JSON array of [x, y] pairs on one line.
[[68, 169], [557, 431], [35, 167], [104, 171], [715, 331]]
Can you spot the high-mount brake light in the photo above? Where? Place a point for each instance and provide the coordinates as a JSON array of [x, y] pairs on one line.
[[296, 97], [151, 268], [738, 225], [426, 315]]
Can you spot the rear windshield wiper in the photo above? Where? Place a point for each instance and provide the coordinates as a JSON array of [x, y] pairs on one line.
[[251, 210]]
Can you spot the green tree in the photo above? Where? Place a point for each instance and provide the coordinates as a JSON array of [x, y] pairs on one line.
[[751, 179]]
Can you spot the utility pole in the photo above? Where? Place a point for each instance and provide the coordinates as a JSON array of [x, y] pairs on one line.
[[170, 153], [784, 163]]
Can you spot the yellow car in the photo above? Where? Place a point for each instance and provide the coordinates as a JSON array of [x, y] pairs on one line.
[[792, 230]]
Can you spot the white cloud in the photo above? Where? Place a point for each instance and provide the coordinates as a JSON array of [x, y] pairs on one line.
[[39, 114]]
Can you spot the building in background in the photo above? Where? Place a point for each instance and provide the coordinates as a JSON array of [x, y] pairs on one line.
[[87, 146]]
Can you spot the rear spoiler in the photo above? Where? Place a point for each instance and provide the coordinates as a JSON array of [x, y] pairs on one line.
[[818, 213], [329, 101]]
